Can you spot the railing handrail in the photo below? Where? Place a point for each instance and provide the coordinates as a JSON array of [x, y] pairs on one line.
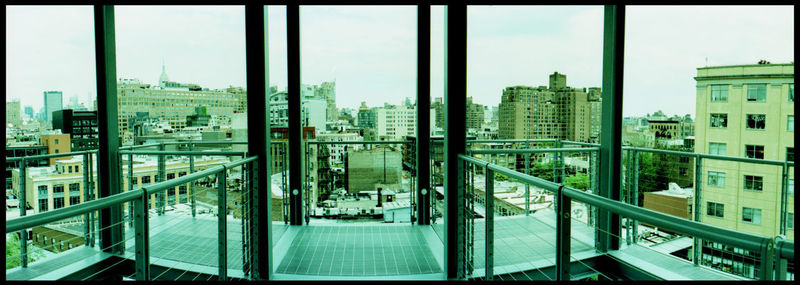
[[192, 152], [712, 156], [511, 141], [45, 156], [701, 230], [360, 142], [44, 218], [533, 150]]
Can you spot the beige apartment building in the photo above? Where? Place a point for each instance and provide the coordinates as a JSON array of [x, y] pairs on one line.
[[557, 112], [174, 104], [746, 111]]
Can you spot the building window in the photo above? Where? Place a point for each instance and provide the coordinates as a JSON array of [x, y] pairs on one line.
[[790, 123], [170, 176], [715, 209], [791, 186], [145, 179], [719, 120], [56, 140], [790, 221], [790, 154], [754, 151], [684, 171], [182, 173], [135, 181], [716, 148], [753, 183], [58, 203], [58, 189], [750, 215], [757, 93], [43, 204], [719, 93], [791, 92], [756, 122], [716, 179], [74, 193]]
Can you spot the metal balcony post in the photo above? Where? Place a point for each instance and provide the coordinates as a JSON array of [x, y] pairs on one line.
[[130, 186], [628, 192], [784, 198], [142, 238], [23, 236], [191, 186], [489, 185], [608, 226], [422, 166], [111, 220], [563, 229], [160, 195], [635, 178], [697, 251], [86, 198], [527, 187], [222, 214]]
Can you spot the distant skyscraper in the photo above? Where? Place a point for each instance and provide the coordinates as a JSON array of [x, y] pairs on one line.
[[53, 101], [13, 113], [366, 118], [29, 111]]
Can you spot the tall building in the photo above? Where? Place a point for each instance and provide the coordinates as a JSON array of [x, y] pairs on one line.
[[52, 102], [438, 105], [746, 111], [29, 112], [474, 114], [557, 112], [396, 122], [13, 115], [327, 91]]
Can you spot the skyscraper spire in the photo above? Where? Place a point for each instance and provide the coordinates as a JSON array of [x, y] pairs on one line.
[[162, 80]]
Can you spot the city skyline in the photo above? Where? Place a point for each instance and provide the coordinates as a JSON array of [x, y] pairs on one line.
[[357, 49]]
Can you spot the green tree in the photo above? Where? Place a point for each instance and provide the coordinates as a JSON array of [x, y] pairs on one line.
[[579, 181], [13, 252]]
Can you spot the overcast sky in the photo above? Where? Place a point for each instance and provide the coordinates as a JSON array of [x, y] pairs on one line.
[[371, 51]]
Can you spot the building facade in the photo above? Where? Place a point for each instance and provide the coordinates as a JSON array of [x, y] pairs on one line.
[[174, 104], [746, 111], [81, 126]]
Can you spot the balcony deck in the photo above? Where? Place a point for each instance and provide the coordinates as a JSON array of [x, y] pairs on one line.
[[524, 247]]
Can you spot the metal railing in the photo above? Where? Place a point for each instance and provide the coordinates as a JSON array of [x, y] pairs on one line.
[[564, 195], [139, 197]]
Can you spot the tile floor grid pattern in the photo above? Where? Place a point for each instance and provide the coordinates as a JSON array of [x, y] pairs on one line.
[[359, 251]]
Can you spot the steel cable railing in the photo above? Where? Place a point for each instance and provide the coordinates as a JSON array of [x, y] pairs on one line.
[[704, 231]]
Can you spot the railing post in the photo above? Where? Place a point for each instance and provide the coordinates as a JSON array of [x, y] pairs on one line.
[[130, 185], [87, 198], [142, 239], [191, 185], [635, 178], [563, 228], [160, 203], [23, 236], [92, 215], [489, 255], [767, 248], [592, 186], [784, 200], [222, 209], [697, 251], [527, 187]]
